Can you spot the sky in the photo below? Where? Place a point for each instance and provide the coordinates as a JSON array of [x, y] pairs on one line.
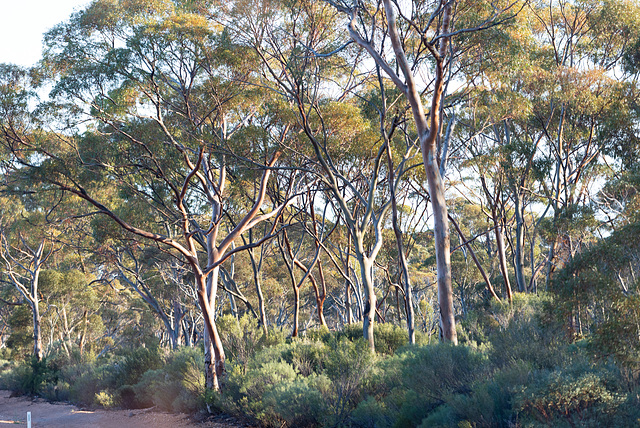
[[23, 24]]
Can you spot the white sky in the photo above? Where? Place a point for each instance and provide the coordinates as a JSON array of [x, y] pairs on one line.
[[23, 23]]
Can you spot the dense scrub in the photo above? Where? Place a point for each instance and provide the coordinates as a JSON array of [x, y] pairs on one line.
[[514, 367]]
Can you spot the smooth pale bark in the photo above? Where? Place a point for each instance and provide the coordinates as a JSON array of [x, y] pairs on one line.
[[133, 277], [371, 303], [216, 253], [348, 284], [214, 352], [498, 223], [38, 352], [502, 258], [427, 133], [518, 257], [32, 266]]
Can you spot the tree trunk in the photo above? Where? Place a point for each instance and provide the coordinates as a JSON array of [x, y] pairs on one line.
[[347, 284], [83, 336], [443, 249], [37, 332], [428, 134], [503, 259], [296, 310], [518, 259], [408, 291], [475, 259], [321, 294], [256, 281], [370, 303], [214, 352]]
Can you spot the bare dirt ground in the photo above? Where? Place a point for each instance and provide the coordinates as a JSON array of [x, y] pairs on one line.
[[13, 411]]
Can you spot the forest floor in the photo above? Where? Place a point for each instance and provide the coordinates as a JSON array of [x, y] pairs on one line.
[[13, 411]]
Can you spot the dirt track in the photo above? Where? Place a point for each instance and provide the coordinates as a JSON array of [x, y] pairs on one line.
[[13, 411]]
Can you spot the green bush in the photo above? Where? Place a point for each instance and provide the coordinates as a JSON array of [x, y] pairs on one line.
[[300, 402], [135, 362], [304, 355], [562, 398], [386, 336], [242, 338], [36, 376], [349, 366], [178, 386], [245, 389], [89, 379], [418, 379]]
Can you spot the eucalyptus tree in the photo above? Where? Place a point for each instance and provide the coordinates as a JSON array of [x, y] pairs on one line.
[[24, 256], [73, 307], [165, 285], [419, 33], [162, 136], [336, 142], [545, 116], [304, 253]]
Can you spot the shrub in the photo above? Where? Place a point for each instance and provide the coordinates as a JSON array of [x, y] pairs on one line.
[[349, 366], [242, 338], [302, 383], [305, 356], [88, 379], [105, 399], [35, 376], [56, 391], [135, 362], [562, 398], [178, 386], [386, 336], [245, 389], [417, 380], [299, 403]]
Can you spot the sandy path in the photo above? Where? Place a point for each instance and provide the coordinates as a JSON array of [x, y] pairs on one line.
[[13, 411]]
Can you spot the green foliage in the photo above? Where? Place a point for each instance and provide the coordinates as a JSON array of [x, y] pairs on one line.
[[388, 337], [243, 338], [563, 398], [105, 399], [135, 363], [178, 386], [20, 341]]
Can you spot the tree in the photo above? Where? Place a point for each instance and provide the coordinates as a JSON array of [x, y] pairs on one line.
[[24, 259], [427, 131], [162, 122]]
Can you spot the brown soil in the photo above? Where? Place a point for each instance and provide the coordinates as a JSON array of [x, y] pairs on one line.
[[13, 411]]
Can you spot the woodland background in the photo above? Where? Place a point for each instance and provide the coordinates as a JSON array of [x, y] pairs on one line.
[[231, 207]]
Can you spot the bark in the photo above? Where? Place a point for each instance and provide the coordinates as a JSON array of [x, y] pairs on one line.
[[404, 268], [214, 352], [518, 259], [321, 294], [370, 305], [428, 135], [38, 352], [498, 224], [32, 265], [502, 258], [296, 310], [83, 336], [348, 284]]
